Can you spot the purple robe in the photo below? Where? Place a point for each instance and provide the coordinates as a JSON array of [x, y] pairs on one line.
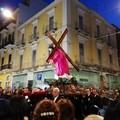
[[59, 59]]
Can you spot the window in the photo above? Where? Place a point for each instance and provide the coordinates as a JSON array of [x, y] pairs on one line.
[[2, 61], [110, 58], [21, 61], [109, 39], [83, 80], [51, 23], [33, 58], [9, 37], [6, 40], [80, 22], [100, 56], [13, 37], [22, 39], [81, 52], [9, 59], [35, 32], [0, 39], [27, 2], [98, 31]]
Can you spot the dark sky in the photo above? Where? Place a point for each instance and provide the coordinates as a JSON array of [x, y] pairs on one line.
[[109, 9]]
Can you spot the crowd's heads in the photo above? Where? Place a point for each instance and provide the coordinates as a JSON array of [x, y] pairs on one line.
[[46, 110], [17, 107], [8, 90], [66, 109], [55, 92], [3, 108], [94, 117]]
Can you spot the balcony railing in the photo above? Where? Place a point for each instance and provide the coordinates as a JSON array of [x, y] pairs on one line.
[[51, 28], [7, 66], [100, 37], [83, 28], [9, 43], [30, 65], [2, 46], [21, 43], [33, 37]]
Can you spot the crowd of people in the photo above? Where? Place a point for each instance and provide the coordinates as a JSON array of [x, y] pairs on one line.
[[63, 102]]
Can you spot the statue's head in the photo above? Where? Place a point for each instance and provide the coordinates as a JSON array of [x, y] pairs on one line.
[[51, 46]]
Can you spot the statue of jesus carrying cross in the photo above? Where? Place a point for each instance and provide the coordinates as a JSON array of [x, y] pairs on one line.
[[59, 57]]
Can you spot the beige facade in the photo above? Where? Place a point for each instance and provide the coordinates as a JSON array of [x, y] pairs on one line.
[[89, 44]]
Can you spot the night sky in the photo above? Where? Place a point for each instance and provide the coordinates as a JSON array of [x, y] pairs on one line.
[[109, 9]]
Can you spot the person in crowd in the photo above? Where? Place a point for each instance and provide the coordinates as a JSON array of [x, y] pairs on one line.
[[66, 109], [94, 117], [3, 108], [46, 110], [1, 92], [18, 107], [113, 110], [8, 92], [90, 104], [116, 113], [26, 91], [104, 105], [56, 94]]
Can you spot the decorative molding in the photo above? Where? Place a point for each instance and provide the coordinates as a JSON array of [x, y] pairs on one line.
[[82, 39], [110, 51], [51, 12], [99, 45], [98, 21], [81, 12], [22, 30], [34, 46], [9, 51], [21, 52], [35, 22]]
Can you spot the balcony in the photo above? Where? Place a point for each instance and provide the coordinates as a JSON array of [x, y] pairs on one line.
[[20, 44], [111, 43], [51, 27], [27, 66], [2, 46], [100, 37], [33, 37], [82, 29], [7, 66], [9, 44]]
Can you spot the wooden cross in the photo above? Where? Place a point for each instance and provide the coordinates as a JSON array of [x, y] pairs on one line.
[[57, 45]]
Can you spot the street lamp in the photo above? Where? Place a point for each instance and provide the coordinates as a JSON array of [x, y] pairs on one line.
[[6, 12]]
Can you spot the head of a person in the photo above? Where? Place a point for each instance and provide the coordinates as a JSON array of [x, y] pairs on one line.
[[51, 47], [8, 90], [18, 107], [46, 110], [66, 109], [1, 90], [94, 117], [55, 92]]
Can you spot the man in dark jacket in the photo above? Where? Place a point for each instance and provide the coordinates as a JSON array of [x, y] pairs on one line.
[[56, 94]]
